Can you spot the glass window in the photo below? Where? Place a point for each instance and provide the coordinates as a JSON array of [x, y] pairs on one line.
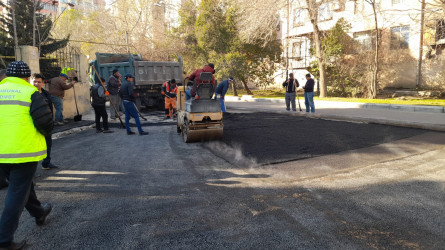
[[300, 16], [297, 49], [325, 12], [400, 37], [365, 39]]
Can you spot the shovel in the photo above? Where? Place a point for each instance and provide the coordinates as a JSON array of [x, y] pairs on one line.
[[77, 117]]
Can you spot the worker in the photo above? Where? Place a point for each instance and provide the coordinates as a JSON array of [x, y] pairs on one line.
[[25, 119], [221, 91], [169, 91], [127, 95], [196, 77], [57, 89], [99, 98], [3, 181]]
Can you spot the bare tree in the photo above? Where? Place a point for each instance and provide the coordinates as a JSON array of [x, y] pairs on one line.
[[16, 41], [374, 66], [313, 8]]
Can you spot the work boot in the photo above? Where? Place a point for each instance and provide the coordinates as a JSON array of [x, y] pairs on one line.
[[107, 131], [143, 133], [49, 167], [130, 133], [15, 246], [99, 131], [46, 210]]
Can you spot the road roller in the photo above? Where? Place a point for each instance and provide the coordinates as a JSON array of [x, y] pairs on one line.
[[199, 119]]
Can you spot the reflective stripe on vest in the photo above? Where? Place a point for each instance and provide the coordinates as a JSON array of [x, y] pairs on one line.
[[19, 139]]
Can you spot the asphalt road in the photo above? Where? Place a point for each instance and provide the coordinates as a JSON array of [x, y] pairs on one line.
[[358, 186]]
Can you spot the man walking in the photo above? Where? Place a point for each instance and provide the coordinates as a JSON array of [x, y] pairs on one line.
[[38, 83], [99, 95], [57, 87], [291, 86], [25, 119], [113, 85], [309, 94], [221, 90], [127, 94]]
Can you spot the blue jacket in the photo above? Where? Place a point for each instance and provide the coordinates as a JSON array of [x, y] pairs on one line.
[[222, 88]]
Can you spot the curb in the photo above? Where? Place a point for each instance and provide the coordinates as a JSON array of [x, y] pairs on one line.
[[332, 104]]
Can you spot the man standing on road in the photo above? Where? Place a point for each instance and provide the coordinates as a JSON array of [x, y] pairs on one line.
[[169, 89], [25, 119], [38, 83], [57, 87], [291, 86], [113, 85], [221, 90], [309, 94], [99, 98], [127, 94]]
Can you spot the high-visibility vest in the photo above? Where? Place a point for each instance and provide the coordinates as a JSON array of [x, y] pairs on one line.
[[19, 140]]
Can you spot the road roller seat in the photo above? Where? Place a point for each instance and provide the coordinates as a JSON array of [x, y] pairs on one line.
[[205, 89]]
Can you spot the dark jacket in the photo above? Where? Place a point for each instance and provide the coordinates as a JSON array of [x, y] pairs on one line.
[[309, 86], [47, 97], [222, 88], [41, 114], [113, 85], [98, 96], [126, 92], [291, 85]]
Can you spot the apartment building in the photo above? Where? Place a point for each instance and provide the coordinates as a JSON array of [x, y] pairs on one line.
[[398, 20]]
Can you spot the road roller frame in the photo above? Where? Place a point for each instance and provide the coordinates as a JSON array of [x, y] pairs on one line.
[[198, 126]]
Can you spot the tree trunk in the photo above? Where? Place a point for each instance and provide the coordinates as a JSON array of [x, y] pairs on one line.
[[34, 23], [14, 24], [375, 67], [246, 88], [313, 14], [234, 89]]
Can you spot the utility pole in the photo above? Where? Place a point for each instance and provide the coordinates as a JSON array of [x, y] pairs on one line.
[[419, 61]]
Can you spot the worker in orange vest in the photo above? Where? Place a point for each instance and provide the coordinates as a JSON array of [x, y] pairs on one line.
[[169, 90]]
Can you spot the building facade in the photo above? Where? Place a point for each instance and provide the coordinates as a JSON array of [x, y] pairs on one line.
[[399, 22]]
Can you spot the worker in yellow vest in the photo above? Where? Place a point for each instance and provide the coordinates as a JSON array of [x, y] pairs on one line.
[[25, 119]]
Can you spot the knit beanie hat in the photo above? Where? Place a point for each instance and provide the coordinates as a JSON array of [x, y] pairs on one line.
[[18, 69]]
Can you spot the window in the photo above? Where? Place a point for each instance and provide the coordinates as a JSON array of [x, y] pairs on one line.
[[297, 49], [300, 17], [365, 39], [440, 30], [394, 2], [324, 12], [400, 37]]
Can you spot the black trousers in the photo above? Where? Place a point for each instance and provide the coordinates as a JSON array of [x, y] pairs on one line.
[[99, 112], [20, 194], [49, 143]]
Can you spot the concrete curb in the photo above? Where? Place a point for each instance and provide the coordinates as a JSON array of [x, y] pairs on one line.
[[332, 104], [434, 127]]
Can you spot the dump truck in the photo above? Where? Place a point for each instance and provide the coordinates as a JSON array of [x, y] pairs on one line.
[[149, 75]]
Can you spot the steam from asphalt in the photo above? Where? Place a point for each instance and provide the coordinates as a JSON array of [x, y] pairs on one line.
[[233, 154]]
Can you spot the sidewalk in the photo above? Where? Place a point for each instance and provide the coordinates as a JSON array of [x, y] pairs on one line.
[[424, 117]]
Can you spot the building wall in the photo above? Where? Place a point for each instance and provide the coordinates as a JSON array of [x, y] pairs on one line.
[[399, 16]]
